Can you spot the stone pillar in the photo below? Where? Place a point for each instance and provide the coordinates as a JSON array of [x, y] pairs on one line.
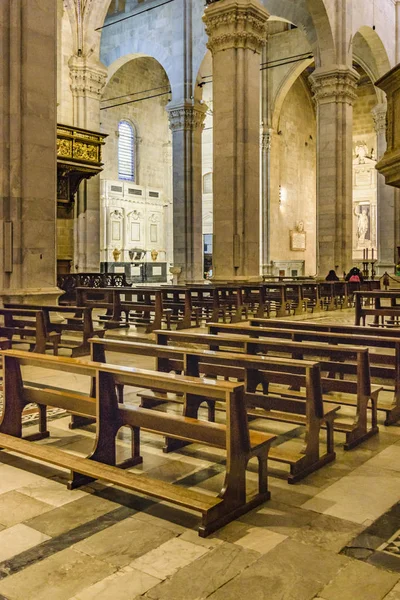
[[385, 201], [28, 151], [236, 32], [88, 79], [334, 92], [186, 123]]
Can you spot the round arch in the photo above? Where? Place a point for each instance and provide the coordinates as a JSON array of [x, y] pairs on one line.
[[370, 53], [295, 72]]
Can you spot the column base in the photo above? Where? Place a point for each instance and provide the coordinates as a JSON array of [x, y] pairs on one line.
[[382, 267], [39, 296]]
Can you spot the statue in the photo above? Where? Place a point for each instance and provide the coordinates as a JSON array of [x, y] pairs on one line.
[[154, 255], [361, 213]]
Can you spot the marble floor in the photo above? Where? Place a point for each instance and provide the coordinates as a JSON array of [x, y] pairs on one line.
[[333, 536]]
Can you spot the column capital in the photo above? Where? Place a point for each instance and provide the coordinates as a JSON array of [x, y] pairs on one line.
[[379, 116], [338, 84], [187, 116], [236, 24], [88, 78]]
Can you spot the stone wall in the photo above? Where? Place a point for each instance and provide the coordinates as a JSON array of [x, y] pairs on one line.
[[293, 177]]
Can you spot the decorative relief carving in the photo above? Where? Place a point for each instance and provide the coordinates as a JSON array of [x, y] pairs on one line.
[[335, 86], [379, 116], [64, 148], [86, 152], [235, 26], [187, 118], [86, 80]]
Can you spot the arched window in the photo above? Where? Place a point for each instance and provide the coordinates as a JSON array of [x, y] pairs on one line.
[[126, 151], [208, 183]]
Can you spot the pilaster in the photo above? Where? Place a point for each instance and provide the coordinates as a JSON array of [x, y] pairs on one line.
[[88, 79], [236, 32], [186, 123], [334, 91]]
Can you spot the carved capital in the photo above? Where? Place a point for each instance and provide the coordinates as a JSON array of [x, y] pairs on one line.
[[87, 79], [236, 24], [379, 116], [336, 85], [266, 139], [187, 117]]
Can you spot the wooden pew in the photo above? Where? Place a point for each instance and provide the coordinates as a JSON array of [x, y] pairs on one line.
[[334, 359], [240, 444], [382, 365], [30, 326], [254, 371], [379, 311], [77, 320], [146, 309]]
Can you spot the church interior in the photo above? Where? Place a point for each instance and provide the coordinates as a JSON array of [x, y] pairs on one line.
[[200, 300]]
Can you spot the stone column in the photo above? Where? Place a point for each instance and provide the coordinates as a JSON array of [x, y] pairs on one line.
[[385, 201], [236, 32], [28, 151], [186, 123], [88, 79], [334, 92]]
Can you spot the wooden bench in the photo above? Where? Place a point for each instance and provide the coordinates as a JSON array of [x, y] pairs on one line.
[[378, 310], [77, 320], [146, 309], [30, 327], [341, 360], [382, 365], [68, 283], [254, 371], [240, 444]]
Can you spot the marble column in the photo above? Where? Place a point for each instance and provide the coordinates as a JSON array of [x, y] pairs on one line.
[[385, 201], [186, 123], [28, 151], [334, 92], [88, 78], [236, 32]]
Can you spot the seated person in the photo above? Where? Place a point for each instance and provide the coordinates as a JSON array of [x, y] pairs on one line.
[[331, 276], [354, 275]]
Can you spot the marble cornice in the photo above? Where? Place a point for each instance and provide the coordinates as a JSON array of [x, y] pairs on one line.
[[239, 24], [335, 85]]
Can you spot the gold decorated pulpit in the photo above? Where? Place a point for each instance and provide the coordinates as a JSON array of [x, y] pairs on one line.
[[78, 157]]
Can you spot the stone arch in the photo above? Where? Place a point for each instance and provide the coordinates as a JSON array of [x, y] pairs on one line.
[[311, 16], [295, 71], [374, 60], [135, 48]]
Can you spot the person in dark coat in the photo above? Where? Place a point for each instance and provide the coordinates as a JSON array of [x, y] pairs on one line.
[[331, 276], [354, 272]]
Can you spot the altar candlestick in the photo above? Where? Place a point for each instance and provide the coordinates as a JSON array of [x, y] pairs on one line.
[[366, 253]]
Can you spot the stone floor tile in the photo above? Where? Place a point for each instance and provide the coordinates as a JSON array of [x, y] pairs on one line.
[[389, 458], [359, 581], [16, 507], [199, 579], [58, 577], [18, 538], [51, 492], [280, 518], [169, 516], [260, 539], [394, 594], [71, 515], [355, 499], [192, 536], [291, 571], [120, 544], [165, 560], [12, 478], [123, 585], [327, 532]]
